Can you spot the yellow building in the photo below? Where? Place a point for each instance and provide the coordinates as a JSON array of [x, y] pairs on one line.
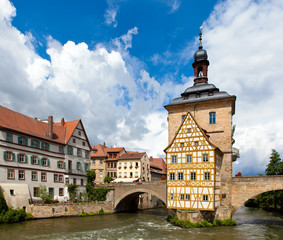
[[193, 169], [211, 111]]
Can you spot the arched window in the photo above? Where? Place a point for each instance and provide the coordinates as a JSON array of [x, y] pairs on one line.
[[200, 72], [212, 117]]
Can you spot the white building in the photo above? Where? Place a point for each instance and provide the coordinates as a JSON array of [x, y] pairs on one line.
[[35, 153]]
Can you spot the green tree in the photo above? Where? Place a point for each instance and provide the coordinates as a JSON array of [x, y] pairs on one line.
[[108, 179], [90, 176], [275, 166], [44, 194], [3, 204], [72, 189]]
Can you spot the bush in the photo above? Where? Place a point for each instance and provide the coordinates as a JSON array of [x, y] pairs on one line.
[[83, 214], [3, 204], [13, 216], [101, 212], [72, 189], [108, 179], [97, 194], [91, 213]]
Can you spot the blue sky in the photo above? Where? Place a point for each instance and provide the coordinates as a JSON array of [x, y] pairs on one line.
[[116, 63]]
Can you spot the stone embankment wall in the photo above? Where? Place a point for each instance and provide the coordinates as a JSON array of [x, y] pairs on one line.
[[64, 210]]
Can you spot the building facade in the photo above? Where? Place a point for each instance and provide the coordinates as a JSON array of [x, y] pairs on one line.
[[157, 169], [36, 153], [212, 111]]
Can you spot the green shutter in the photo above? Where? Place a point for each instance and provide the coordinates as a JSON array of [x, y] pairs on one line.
[[78, 152], [31, 142], [13, 156], [30, 159], [48, 146], [39, 161], [67, 149], [41, 145], [72, 150], [4, 155], [26, 158], [26, 141], [64, 165], [38, 144], [19, 139], [48, 163], [18, 157], [57, 164]]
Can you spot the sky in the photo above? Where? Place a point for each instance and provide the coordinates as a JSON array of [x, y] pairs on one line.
[[116, 63]]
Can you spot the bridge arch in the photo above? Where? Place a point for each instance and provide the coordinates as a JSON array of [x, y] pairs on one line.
[[245, 188]]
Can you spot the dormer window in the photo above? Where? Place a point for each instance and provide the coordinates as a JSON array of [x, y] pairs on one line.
[[210, 93], [197, 95]]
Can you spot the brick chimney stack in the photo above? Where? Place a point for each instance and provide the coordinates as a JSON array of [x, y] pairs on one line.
[[50, 127], [62, 122]]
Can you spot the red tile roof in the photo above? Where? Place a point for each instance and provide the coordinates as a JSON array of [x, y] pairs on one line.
[[158, 163], [132, 155], [70, 128], [100, 151]]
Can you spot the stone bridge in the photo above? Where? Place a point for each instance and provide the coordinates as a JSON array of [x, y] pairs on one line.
[[126, 195], [245, 188]]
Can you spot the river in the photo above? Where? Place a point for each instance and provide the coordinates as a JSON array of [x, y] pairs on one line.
[[146, 224]]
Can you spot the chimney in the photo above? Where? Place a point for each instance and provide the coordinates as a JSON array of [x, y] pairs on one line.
[[50, 127], [104, 144], [62, 122]]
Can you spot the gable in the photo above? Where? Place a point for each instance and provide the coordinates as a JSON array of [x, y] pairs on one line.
[[189, 138]]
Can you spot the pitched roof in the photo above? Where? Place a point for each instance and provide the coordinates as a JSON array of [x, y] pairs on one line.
[[158, 163], [21, 123], [132, 155], [100, 151], [114, 149]]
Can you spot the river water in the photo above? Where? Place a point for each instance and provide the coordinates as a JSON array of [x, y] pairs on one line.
[[147, 224]]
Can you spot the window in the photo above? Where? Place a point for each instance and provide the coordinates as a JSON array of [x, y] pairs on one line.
[[205, 157], [174, 159], [44, 162], [120, 174], [35, 143], [61, 191], [172, 176], [188, 197], [12, 193], [189, 130], [60, 164], [79, 152], [61, 150], [115, 165], [189, 158], [82, 182], [80, 133], [21, 175], [61, 178], [136, 174], [125, 175], [78, 166], [67, 181], [83, 143], [183, 117], [34, 176], [43, 177], [45, 146], [137, 164], [9, 137], [125, 164], [34, 160], [22, 140], [93, 162], [171, 196], [75, 181], [86, 166], [69, 150], [21, 158], [212, 117], [36, 191], [182, 197], [180, 176], [9, 156], [87, 154], [74, 140], [196, 143], [100, 161], [205, 197], [11, 174], [55, 177], [207, 176], [182, 144], [111, 165], [100, 174], [193, 176]]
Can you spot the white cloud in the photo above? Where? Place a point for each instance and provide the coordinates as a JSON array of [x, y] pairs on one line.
[[117, 103], [243, 43], [111, 13]]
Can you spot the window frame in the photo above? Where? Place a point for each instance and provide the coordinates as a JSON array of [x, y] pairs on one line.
[[205, 157], [45, 177], [189, 158], [23, 173], [207, 176], [212, 118], [205, 198], [172, 176], [32, 176], [9, 170], [174, 159], [180, 176], [193, 176]]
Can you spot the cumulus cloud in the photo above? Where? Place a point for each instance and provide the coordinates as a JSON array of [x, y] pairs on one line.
[[117, 105], [243, 43], [111, 13]]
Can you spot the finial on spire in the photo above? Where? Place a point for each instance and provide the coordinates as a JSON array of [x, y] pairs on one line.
[[200, 38]]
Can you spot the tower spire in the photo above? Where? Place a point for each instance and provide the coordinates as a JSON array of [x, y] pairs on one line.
[[200, 40]]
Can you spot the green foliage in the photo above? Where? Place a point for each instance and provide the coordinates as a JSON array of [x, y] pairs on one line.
[[3, 204], [90, 176], [29, 216], [98, 194], [13, 216], [188, 224], [101, 212], [72, 189], [107, 179], [45, 195], [83, 214], [91, 213], [275, 166]]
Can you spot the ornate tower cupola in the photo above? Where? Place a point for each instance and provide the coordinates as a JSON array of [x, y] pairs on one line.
[[200, 64]]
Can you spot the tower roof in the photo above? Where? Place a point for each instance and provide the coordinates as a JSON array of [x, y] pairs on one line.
[[201, 54]]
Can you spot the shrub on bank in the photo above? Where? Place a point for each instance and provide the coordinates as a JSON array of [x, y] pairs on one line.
[[188, 224], [13, 216]]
